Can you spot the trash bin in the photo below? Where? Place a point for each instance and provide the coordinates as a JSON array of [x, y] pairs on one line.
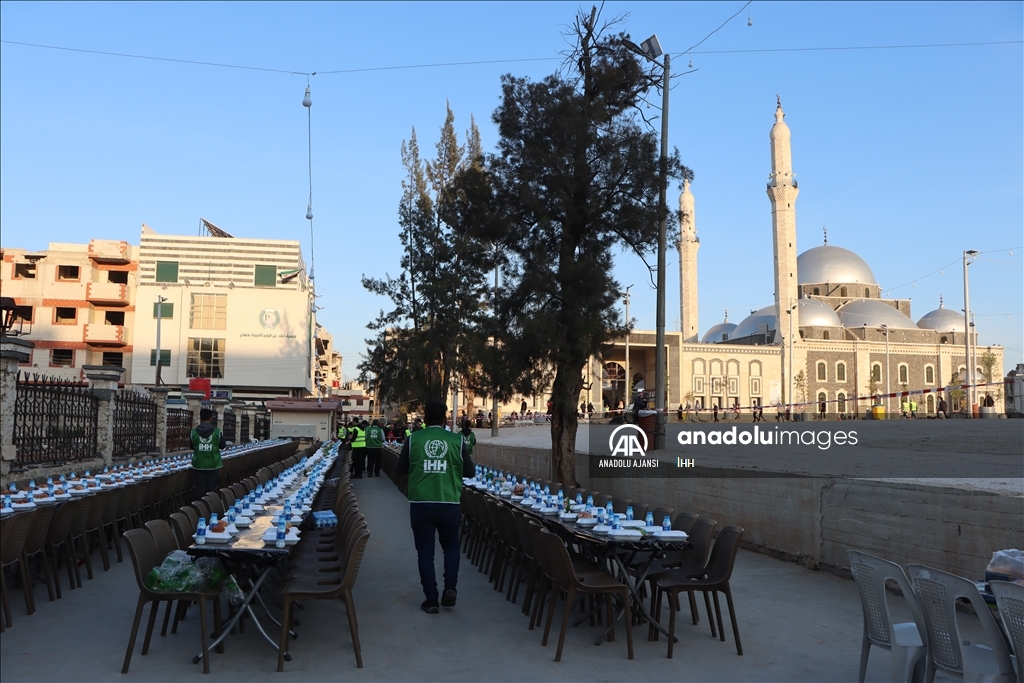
[[877, 412], [648, 423]]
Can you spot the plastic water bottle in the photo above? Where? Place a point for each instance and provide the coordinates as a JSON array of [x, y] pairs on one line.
[[561, 498], [547, 490], [650, 519], [49, 480], [213, 518], [579, 498], [629, 512], [31, 483], [287, 510], [615, 522], [281, 533], [49, 489], [666, 524], [609, 510], [201, 532], [590, 502], [7, 502]]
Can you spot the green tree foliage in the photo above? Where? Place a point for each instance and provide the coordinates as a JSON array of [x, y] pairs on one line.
[[574, 179], [424, 342]]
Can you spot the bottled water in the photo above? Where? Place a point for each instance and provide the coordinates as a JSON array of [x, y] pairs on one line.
[[666, 524], [650, 519], [579, 498], [7, 502], [615, 522], [609, 510], [629, 512], [213, 518], [281, 533], [561, 498], [201, 532]]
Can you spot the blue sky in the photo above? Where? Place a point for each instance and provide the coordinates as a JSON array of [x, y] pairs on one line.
[[909, 156]]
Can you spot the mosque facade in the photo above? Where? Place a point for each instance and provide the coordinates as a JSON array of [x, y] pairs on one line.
[[829, 336]]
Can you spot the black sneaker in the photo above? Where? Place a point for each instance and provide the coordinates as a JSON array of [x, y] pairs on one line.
[[429, 606], [448, 599]]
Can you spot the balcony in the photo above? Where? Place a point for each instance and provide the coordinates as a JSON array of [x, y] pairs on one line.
[[107, 293], [99, 334], [110, 251]]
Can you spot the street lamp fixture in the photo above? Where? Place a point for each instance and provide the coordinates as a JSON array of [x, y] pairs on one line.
[[884, 329], [969, 256]]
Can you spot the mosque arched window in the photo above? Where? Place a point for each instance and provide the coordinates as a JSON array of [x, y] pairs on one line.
[[840, 372], [822, 373], [943, 340], [842, 292], [817, 291], [867, 293], [876, 372], [841, 402], [930, 403], [904, 374], [824, 334], [929, 374]]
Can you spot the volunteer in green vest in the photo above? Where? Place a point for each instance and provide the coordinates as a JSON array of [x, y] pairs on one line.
[[374, 444], [436, 460], [207, 440], [358, 450], [468, 436]]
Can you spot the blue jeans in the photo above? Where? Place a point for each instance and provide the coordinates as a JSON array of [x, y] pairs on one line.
[[425, 519]]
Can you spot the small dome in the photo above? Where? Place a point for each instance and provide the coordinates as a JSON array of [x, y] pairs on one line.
[[832, 264], [718, 333], [817, 313], [753, 323], [873, 313], [942, 320]]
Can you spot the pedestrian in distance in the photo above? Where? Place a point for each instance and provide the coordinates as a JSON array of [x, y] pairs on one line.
[[821, 410], [714, 410], [435, 461], [374, 446], [359, 450], [943, 409], [207, 441]]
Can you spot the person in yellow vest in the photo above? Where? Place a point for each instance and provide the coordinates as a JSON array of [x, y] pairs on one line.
[[435, 460], [358, 450]]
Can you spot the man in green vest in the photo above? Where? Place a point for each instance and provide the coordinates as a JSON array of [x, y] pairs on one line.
[[374, 444], [207, 440], [468, 436], [436, 460], [358, 449]]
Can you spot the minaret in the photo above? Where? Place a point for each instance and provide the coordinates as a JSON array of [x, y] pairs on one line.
[[689, 243], [782, 191]]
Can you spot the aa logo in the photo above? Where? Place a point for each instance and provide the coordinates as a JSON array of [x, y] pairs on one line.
[[627, 443], [436, 449]]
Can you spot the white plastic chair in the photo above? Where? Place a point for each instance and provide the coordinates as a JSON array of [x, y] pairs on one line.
[[906, 641], [1010, 600], [937, 593]]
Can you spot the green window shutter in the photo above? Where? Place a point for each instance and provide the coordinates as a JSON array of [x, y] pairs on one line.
[[166, 311], [165, 357], [266, 276], [166, 271]]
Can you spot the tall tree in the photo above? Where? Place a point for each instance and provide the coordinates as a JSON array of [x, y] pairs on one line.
[[424, 342], [575, 177]]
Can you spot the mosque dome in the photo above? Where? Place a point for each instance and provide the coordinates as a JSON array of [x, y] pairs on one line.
[[873, 313], [942, 320], [753, 323], [832, 264], [817, 313], [718, 333]]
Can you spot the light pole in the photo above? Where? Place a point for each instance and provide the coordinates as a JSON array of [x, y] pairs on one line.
[[159, 317], [885, 330], [969, 256], [629, 382], [789, 374], [651, 50], [494, 397]]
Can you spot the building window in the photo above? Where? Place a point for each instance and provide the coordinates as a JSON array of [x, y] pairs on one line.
[[929, 375], [23, 314], [266, 276], [114, 317], [205, 358], [842, 292], [68, 273], [904, 373], [801, 334], [114, 358], [867, 293], [876, 372], [824, 334], [841, 402], [816, 291], [165, 357], [840, 372], [821, 372], [166, 271], [209, 312], [119, 277], [166, 310], [62, 358], [822, 398], [943, 340], [65, 315], [24, 271], [930, 402]]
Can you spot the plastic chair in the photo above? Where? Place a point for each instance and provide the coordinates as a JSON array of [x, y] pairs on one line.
[[684, 521], [183, 529], [145, 556], [661, 512], [202, 509], [13, 534], [937, 593], [59, 539], [35, 544], [906, 641], [714, 578], [214, 502], [1010, 600]]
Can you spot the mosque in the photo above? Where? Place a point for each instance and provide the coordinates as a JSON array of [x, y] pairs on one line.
[[828, 337]]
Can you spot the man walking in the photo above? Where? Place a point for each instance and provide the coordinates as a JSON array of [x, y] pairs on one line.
[[207, 440], [358, 449], [374, 444], [435, 461]]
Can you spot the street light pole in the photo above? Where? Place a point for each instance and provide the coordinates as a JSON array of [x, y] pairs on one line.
[[659, 357], [159, 318], [789, 375], [494, 397], [968, 366], [885, 330], [629, 382]]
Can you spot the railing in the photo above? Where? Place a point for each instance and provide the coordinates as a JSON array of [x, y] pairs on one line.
[[179, 429], [228, 428], [134, 423], [54, 420]]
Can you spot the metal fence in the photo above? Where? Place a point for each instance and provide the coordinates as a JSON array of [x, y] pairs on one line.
[[134, 423], [179, 429], [229, 426], [54, 420]]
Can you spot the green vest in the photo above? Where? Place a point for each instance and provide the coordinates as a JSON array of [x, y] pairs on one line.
[[359, 441], [470, 440], [435, 466], [374, 437], [206, 451]]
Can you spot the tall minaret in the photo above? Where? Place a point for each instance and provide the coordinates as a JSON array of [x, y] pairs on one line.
[[689, 243], [782, 191]]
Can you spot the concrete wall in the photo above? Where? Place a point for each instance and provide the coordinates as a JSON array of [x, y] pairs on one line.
[[816, 520]]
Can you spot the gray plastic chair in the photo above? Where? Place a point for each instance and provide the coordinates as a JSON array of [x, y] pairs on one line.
[[937, 593], [1010, 600], [906, 641]]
